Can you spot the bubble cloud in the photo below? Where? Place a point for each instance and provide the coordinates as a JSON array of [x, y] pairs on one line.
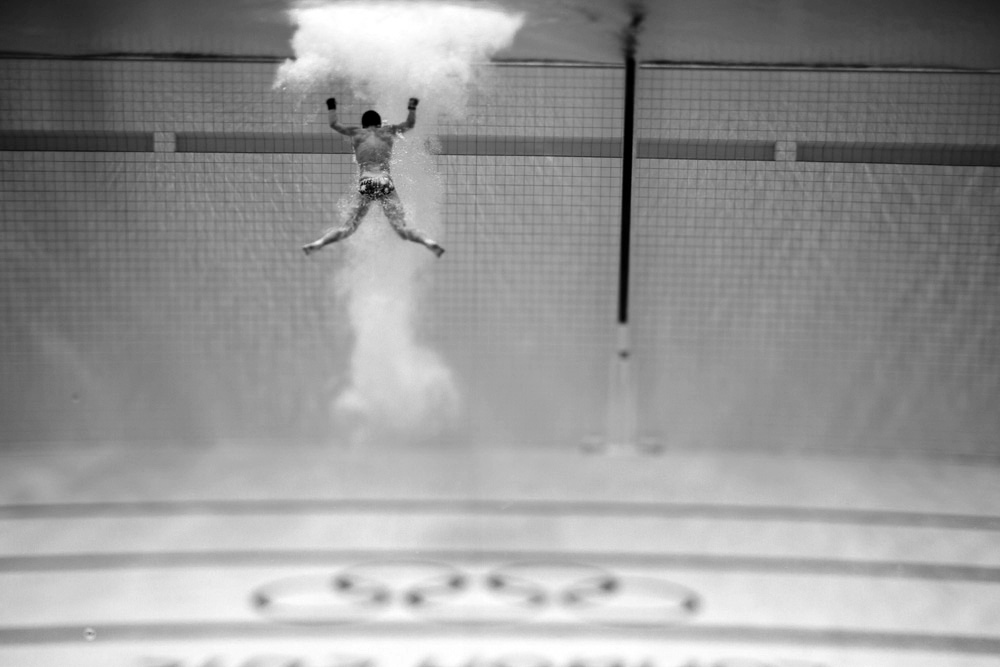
[[383, 53]]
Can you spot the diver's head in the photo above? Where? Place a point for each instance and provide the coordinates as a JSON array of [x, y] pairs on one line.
[[371, 119]]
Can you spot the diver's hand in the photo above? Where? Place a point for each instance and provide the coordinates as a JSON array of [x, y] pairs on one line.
[[413, 104], [331, 104]]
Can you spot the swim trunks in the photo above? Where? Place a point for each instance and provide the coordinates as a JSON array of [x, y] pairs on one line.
[[375, 186]]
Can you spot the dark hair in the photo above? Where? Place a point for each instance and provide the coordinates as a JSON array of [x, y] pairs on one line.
[[370, 118]]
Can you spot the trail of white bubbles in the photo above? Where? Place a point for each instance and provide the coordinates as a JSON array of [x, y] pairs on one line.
[[387, 52]]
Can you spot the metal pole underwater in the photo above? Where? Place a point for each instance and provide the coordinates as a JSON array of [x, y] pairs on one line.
[[622, 415]]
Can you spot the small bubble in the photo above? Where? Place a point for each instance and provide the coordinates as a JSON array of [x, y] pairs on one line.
[[90, 634]]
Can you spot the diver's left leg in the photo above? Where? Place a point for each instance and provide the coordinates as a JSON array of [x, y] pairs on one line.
[[393, 208], [357, 211]]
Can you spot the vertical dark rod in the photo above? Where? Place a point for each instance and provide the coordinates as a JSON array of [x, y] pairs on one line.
[[623, 418], [630, 39], [626, 224]]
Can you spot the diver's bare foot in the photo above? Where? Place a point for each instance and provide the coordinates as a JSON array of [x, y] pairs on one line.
[[436, 249], [311, 247]]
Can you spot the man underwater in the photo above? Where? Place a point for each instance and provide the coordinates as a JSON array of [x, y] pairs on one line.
[[373, 151]]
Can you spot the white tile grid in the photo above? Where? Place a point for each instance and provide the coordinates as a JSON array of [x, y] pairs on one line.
[[174, 96], [861, 284], [818, 106], [183, 256]]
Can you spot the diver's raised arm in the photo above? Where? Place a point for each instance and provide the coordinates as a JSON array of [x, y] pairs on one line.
[[331, 113], [411, 117]]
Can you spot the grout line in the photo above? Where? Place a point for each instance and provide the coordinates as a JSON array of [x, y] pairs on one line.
[[771, 565], [527, 63], [506, 508], [162, 631]]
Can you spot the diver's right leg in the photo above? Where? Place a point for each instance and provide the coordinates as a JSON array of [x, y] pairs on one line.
[[334, 234], [396, 215]]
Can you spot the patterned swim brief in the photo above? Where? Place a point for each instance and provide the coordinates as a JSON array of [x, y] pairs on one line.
[[375, 186]]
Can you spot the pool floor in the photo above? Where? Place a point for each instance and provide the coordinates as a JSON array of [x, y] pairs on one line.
[[267, 555]]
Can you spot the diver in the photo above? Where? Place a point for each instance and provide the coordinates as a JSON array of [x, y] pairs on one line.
[[373, 151]]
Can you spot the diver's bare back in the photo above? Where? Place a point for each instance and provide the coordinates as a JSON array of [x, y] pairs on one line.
[[373, 149]]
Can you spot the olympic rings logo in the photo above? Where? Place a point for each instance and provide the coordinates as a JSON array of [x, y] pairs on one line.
[[444, 594]]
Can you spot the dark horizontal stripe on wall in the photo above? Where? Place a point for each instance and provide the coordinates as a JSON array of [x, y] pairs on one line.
[[260, 142], [699, 149], [666, 149], [227, 142], [529, 146], [275, 142], [928, 154], [70, 141]]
